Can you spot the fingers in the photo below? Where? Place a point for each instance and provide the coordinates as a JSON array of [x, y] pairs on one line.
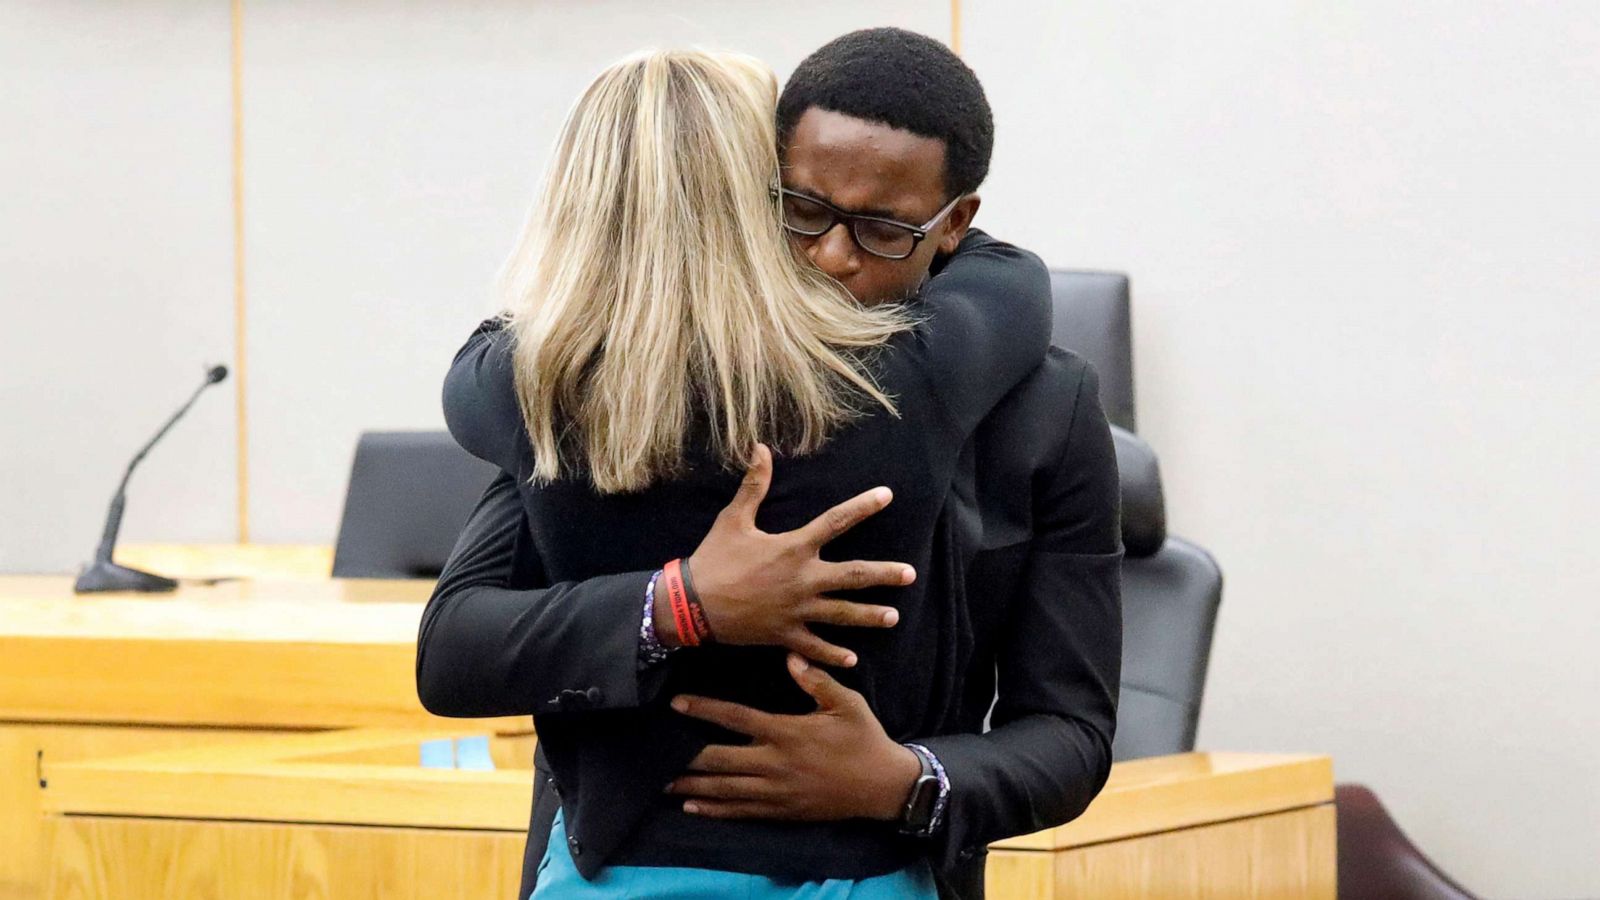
[[722, 787], [822, 687], [727, 759], [807, 644], [857, 574], [734, 809], [753, 489], [731, 716], [843, 612], [845, 516]]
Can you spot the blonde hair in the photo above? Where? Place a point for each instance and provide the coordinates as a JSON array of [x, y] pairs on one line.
[[654, 291]]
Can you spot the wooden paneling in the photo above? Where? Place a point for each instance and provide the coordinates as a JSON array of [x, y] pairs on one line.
[[1165, 793], [26, 749], [255, 653], [330, 777], [1289, 855], [1285, 855], [95, 676], [1193, 825], [152, 859]]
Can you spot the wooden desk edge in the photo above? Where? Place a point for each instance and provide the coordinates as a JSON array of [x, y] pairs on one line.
[[281, 779], [1249, 785], [288, 778]]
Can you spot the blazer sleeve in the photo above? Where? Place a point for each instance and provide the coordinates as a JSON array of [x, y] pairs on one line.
[[985, 325], [480, 398], [497, 639], [1059, 660]]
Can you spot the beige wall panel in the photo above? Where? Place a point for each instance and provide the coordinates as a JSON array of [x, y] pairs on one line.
[[391, 153], [116, 273], [1363, 240]]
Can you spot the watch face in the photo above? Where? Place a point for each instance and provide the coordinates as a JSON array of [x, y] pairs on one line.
[[919, 812]]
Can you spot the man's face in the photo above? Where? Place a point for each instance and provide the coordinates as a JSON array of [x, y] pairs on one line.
[[872, 169]]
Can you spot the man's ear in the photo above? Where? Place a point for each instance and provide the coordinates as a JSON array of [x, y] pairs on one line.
[[958, 221]]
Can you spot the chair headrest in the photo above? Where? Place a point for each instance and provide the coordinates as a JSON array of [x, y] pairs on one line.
[[409, 495], [1093, 319], [1144, 510]]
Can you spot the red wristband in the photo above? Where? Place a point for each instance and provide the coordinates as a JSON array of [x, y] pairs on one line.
[[688, 617]]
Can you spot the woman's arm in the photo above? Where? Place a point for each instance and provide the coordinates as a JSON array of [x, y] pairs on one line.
[[497, 639]]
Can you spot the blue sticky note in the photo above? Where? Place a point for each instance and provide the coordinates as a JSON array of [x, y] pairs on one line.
[[440, 754], [473, 753]]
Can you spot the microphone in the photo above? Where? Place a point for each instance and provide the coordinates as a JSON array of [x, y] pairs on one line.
[[104, 575]]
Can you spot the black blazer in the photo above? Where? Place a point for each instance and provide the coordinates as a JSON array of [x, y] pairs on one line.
[[490, 647]]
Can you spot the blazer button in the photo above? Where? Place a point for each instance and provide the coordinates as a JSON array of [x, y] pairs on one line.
[[574, 845]]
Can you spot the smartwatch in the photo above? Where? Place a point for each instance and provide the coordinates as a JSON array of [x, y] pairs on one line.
[[917, 817]]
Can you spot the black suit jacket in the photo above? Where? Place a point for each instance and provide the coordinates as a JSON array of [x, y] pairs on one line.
[[1034, 511]]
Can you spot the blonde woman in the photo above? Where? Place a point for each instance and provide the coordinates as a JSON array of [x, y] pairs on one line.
[[663, 341]]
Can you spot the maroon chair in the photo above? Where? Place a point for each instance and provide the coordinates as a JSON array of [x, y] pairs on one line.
[[1376, 859]]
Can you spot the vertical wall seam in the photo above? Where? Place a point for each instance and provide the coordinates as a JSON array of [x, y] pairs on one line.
[[955, 26], [240, 370]]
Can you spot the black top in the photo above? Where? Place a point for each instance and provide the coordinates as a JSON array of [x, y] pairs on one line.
[[610, 739], [1038, 495]]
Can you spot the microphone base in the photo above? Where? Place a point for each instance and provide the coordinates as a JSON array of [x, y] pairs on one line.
[[104, 575]]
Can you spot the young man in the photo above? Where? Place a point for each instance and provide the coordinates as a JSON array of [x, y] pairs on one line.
[[882, 132]]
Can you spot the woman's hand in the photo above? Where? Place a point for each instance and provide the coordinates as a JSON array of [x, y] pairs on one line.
[[759, 588]]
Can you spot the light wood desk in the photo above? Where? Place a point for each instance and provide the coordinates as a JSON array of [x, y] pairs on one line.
[[111, 674], [1188, 826], [351, 815]]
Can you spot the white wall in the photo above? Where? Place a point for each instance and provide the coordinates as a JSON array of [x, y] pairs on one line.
[[1363, 238], [391, 153], [1365, 247], [116, 273]]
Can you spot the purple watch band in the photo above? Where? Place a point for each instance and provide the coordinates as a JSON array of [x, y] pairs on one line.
[[944, 786]]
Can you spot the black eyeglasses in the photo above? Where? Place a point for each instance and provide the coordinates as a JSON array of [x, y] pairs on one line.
[[810, 217]]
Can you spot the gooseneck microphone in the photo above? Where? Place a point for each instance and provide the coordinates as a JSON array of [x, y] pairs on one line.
[[105, 575]]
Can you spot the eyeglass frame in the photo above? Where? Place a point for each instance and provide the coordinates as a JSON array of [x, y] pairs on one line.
[[849, 219]]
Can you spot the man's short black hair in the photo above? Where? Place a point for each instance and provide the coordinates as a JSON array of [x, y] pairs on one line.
[[904, 80]]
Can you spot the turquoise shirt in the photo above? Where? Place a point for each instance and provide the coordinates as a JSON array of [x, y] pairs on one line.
[[559, 880]]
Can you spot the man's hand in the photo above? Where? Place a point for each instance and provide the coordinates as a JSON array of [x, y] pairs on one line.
[[834, 763], [759, 588]]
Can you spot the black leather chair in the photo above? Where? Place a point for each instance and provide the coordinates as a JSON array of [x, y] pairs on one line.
[[1171, 588], [1093, 318], [410, 493]]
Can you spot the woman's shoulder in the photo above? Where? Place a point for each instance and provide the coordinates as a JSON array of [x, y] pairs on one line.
[[480, 396]]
